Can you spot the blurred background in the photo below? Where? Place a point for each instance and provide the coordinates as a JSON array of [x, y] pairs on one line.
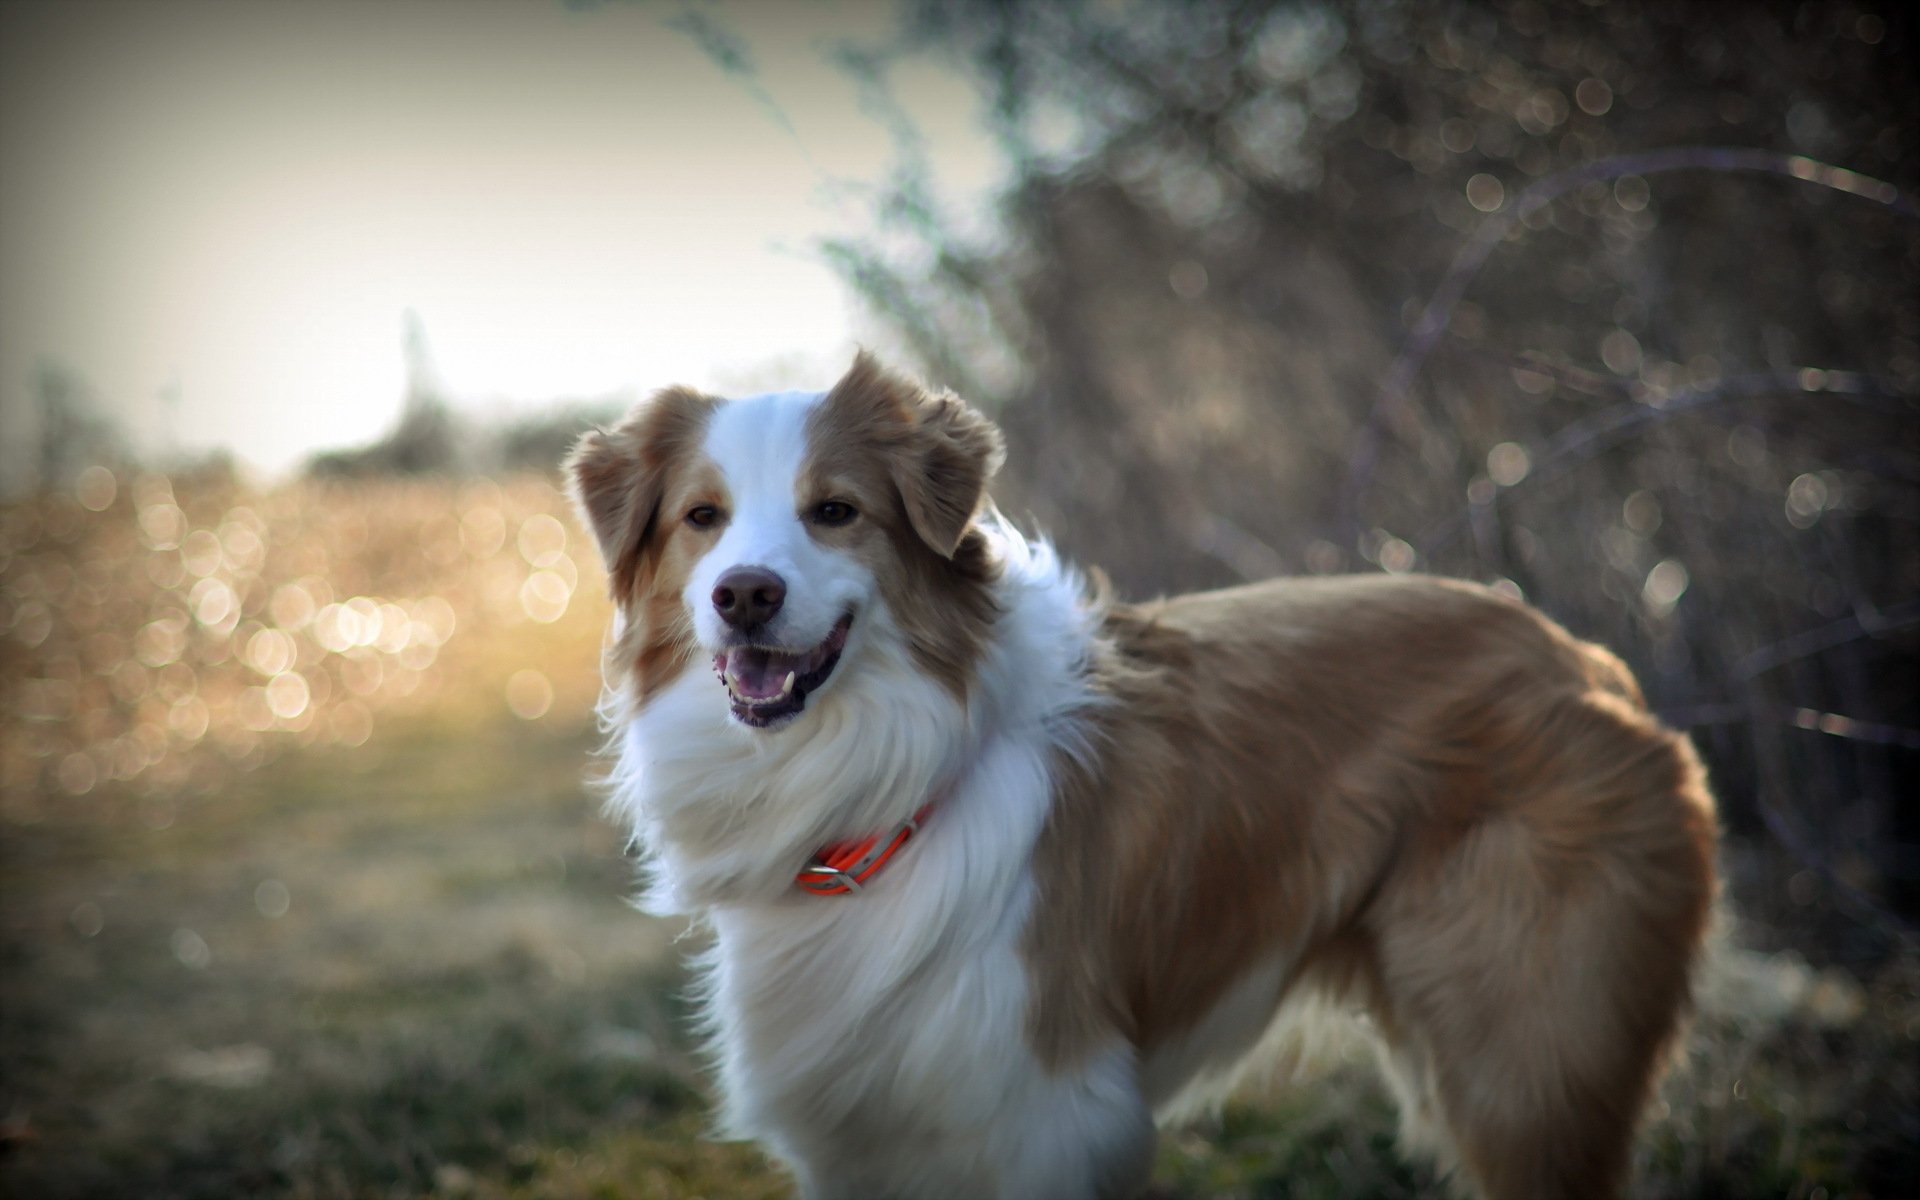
[[303, 887]]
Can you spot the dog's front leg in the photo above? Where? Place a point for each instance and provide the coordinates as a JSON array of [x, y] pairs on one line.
[[1082, 1134], [1086, 1134]]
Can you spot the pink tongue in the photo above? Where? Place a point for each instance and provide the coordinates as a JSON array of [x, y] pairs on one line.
[[756, 674]]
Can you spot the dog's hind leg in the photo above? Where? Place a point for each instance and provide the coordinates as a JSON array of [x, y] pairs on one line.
[[1534, 962]]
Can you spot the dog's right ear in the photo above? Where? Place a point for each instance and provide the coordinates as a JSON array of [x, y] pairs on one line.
[[940, 451], [617, 478], [617, 497]]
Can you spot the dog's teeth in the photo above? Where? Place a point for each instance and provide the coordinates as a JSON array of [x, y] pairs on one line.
[[786, 687]]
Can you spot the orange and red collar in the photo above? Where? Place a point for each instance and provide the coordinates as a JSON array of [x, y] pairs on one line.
[[842, 867]]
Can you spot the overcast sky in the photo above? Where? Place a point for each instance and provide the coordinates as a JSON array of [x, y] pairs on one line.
[[237, 202]]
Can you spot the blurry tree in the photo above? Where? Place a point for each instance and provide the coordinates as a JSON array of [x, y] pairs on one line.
[[431, 439], [540, 441], [427, 439], [1236, 323], [424, 439], [75, 430]]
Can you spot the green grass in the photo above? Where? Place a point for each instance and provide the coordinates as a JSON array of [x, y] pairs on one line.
[[456, 995], [457, 1001]]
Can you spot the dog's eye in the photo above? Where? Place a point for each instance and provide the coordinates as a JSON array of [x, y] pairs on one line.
[[702, 516], [834, 512]]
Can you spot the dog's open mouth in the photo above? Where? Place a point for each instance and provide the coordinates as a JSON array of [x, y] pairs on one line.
[[767, 685]]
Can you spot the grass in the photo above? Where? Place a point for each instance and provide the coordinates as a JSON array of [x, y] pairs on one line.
[[456, 1001], [452, 995]]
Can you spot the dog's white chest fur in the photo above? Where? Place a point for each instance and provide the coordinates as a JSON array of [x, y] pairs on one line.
[[880, 1041]]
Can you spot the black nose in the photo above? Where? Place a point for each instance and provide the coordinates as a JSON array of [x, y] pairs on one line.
[[747, 597]]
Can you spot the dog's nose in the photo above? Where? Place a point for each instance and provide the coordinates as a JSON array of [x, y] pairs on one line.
[[749, 596]]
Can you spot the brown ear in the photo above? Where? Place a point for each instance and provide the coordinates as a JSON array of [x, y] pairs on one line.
[[617, 477], [956, 450], [940, 450]]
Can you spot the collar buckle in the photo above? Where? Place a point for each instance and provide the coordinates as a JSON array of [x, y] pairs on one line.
[[841, 869]]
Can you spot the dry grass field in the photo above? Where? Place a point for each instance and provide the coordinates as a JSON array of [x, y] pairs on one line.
[[304, 893]]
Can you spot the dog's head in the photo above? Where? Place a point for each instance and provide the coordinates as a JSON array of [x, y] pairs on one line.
[[784, 537]]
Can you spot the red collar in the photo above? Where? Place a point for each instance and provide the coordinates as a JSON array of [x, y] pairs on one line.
[[842, 867]]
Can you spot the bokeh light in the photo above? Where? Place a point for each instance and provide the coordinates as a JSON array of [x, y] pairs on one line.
[[95, 488], [158, 631], [529, 694], [272, 898]]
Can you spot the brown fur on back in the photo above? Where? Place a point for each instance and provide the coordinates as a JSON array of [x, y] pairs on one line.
[[1423, 798]]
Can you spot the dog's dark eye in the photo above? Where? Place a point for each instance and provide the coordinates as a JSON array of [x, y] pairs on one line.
[[702, 516], [834, 512]]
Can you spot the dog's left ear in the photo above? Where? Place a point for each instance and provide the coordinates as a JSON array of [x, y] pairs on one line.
[[954, 451], [940, 450]]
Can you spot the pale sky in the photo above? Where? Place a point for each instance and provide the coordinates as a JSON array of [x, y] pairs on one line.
[[238, 201]]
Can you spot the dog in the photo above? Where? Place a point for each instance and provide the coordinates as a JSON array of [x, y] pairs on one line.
[[997, 870]]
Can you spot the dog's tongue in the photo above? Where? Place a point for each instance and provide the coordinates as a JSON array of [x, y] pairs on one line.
[[755, 674]]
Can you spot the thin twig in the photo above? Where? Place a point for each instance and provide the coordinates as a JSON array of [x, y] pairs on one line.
[[1396, 389]]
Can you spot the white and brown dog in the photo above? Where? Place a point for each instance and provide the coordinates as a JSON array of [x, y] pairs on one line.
[[997, 871]]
